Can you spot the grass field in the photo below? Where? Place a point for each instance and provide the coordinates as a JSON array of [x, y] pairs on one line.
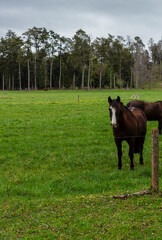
[[58, 169]]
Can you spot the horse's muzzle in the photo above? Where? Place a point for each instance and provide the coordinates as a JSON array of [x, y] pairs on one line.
[[114, 125]]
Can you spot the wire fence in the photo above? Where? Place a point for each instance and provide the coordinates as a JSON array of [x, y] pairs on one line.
[[73, 140]]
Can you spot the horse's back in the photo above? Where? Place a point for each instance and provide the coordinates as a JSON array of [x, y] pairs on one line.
[[153, 111], [137, 104]]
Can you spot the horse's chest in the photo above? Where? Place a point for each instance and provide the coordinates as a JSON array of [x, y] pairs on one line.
[[124, 132]]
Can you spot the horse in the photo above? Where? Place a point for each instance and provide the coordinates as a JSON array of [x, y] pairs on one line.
[[129, 124], [153, 111]]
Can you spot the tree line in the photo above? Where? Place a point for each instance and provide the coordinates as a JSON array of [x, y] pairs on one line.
[[41, 59]]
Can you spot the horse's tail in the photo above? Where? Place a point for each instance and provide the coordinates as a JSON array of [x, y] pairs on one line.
[[136, 147]]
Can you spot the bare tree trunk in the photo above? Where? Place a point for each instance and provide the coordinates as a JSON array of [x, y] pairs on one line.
[[60, 73], [73, 87], [83, 71], [20, 76], [114, 82], [45, 73], [149, 78], [141, 83], [154, 72], [110, 80], [137, 80], [3, 80], [141, 76], [35, 73], [131, 83], [89, 73], [120, 74], [100, 80], [28, 64], [160, 69], [13, 82], [9, 82], [51, 66]]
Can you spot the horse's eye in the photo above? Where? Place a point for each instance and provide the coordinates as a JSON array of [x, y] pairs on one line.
[[109, 109]]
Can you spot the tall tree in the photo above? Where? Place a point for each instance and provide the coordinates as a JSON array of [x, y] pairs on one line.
[[20, 58], [82, 47], [118, 46], [61, 48], [130, 46], [35, 37], [12, 45], [138, 52], [45, 49], [89, 63], [28, 53], [3, 60], [100, 45], [53, 48]]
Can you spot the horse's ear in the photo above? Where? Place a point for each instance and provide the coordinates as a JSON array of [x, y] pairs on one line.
[[118, 99], [109, 100]]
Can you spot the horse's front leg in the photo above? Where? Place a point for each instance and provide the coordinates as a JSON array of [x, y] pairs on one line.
[[119, 147], [131, 153]]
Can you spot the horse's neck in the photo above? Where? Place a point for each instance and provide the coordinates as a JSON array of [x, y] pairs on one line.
[[123, 116]]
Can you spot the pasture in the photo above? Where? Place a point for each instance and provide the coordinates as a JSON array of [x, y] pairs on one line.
[[58, 169]]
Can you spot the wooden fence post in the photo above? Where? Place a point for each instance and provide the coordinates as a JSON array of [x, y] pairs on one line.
[[155, 160]]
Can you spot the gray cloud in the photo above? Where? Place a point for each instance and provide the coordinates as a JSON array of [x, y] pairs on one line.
[[97, 17]]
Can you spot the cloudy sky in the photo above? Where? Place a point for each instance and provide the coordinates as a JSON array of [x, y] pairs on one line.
[[97, 18]]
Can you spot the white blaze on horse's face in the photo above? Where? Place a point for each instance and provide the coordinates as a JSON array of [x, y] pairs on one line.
[[113, 119]]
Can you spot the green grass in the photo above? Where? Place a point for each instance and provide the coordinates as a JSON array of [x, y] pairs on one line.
[[58, 165]]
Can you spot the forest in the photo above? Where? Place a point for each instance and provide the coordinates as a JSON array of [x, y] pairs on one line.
[[42, 59]]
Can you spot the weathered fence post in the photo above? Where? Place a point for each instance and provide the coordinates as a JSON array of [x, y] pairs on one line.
[[155, 159]]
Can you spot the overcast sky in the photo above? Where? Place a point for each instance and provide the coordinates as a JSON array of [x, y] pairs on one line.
[[97, 18]]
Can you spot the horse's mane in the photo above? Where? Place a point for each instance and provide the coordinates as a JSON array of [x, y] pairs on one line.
[[124, 106]]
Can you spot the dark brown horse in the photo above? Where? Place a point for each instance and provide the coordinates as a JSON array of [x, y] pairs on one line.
[[128, 124], [153, 111]]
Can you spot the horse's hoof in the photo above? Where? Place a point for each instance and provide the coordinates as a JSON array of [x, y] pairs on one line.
[[132, 168], [141, 163]]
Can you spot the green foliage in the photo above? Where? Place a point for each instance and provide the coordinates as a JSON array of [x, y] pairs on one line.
[[127, 59], [58, 164]]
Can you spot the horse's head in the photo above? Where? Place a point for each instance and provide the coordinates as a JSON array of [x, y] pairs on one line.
[[114, 109]]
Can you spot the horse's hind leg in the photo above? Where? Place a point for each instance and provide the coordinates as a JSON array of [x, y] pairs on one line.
[[141, 141], [160, 126], [131, 153]]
